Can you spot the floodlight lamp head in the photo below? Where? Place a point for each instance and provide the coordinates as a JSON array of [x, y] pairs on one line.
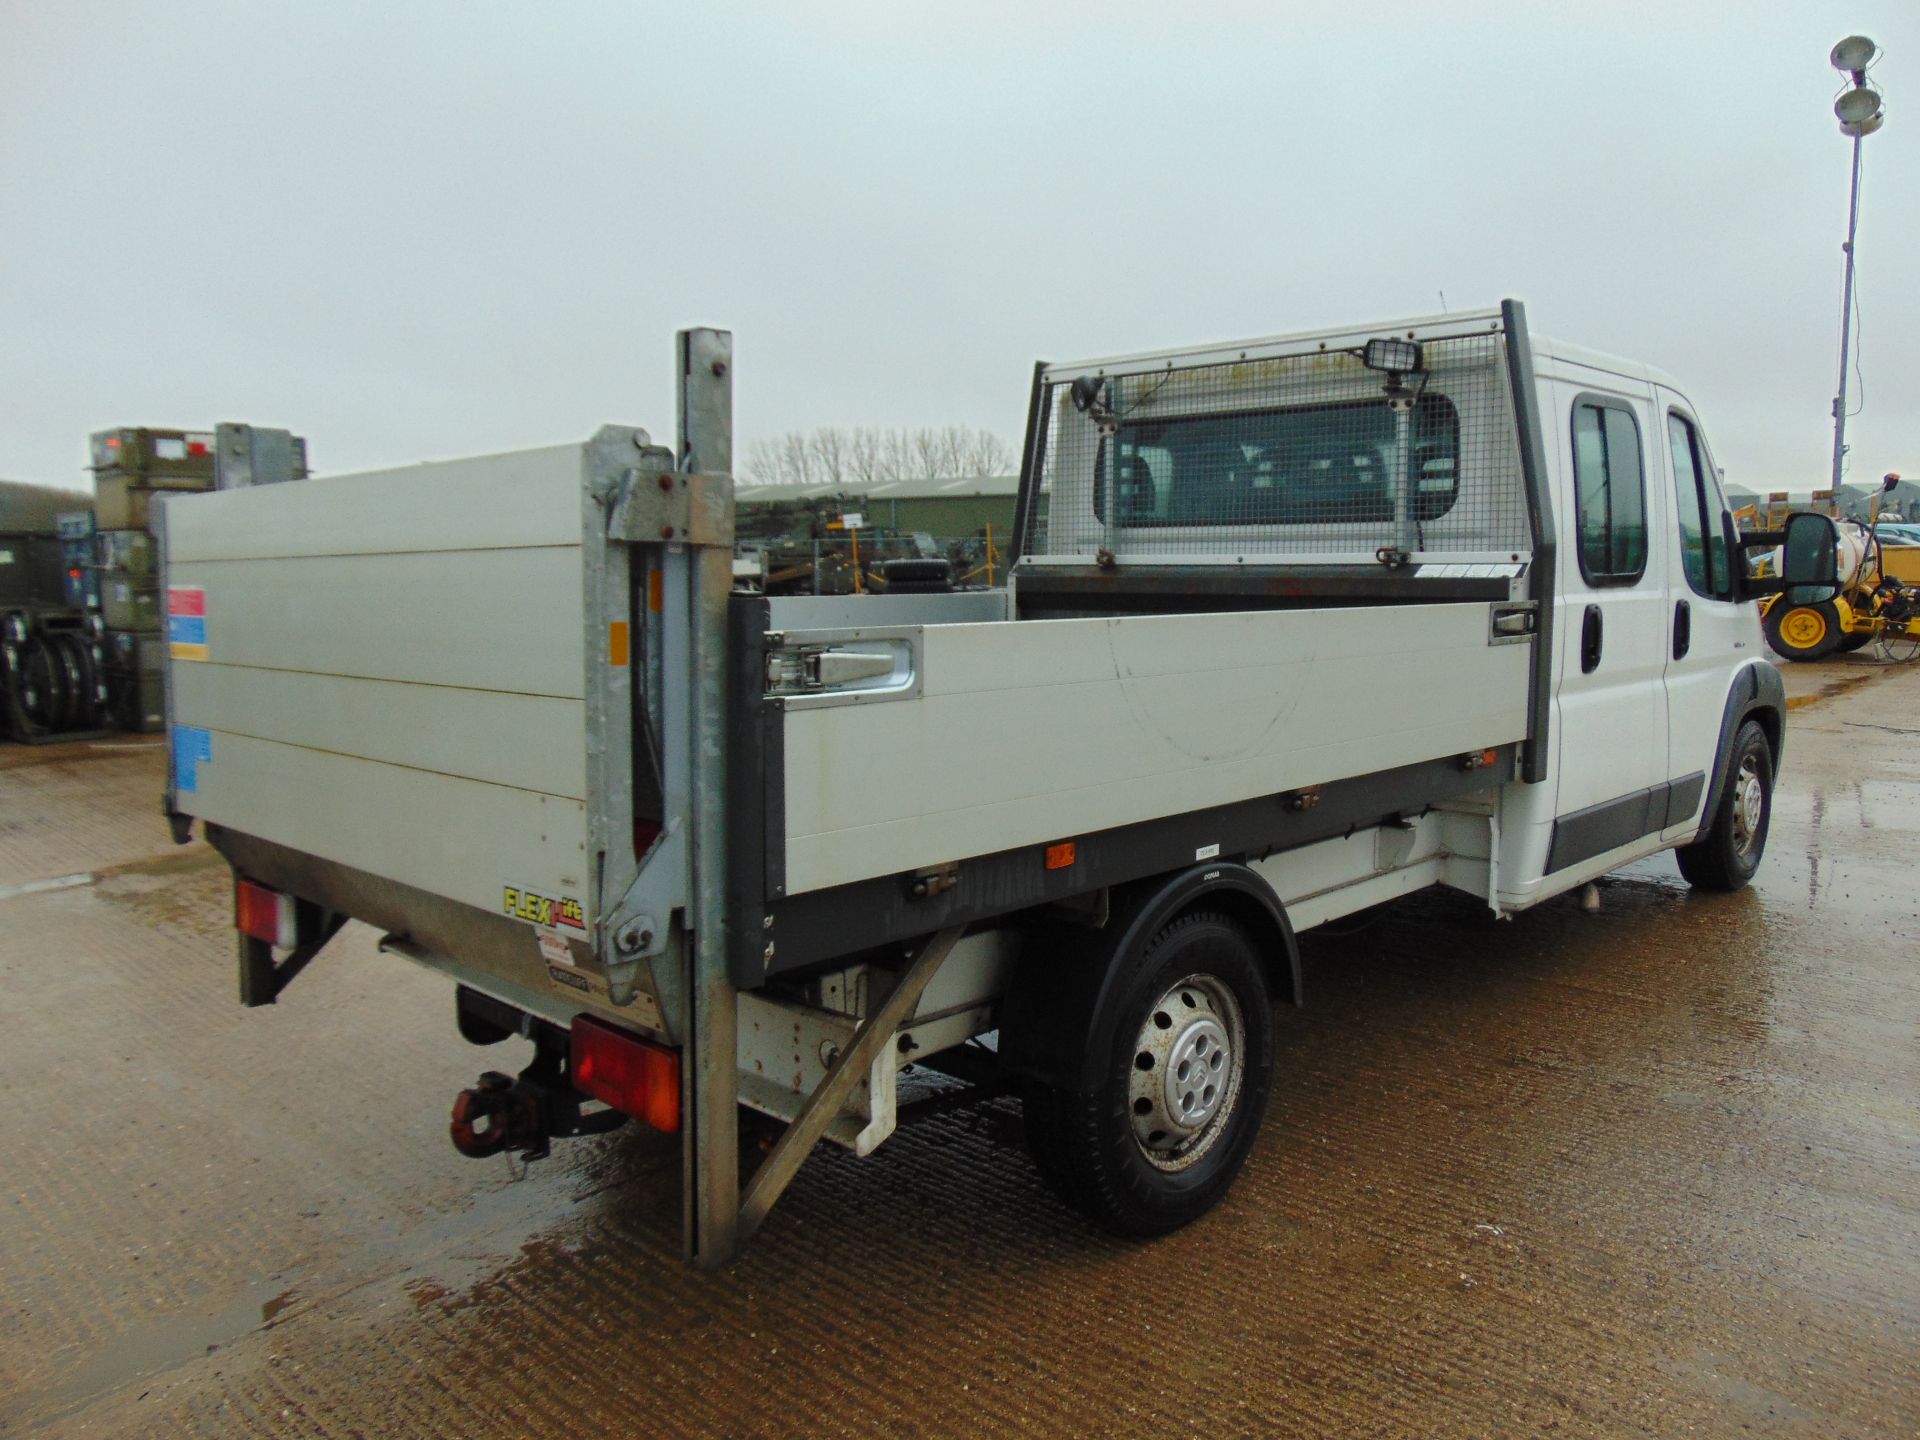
[[1395, 356], [1857, 105], [1857, 129], [1085, 392], [1892, 479], [1853, 54]]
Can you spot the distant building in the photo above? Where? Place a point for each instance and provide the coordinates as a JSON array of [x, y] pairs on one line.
[[948, 509]]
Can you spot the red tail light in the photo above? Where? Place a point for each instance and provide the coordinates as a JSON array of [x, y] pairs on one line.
[[265, 914], [628, 1073]]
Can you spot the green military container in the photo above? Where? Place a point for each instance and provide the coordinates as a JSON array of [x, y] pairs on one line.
[[135, 681], [130, 552], [126, 502], [160, 456], [30, 570], [127, 603], [136, 465]]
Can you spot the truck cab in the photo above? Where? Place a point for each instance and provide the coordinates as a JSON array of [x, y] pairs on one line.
[[1659, 656]]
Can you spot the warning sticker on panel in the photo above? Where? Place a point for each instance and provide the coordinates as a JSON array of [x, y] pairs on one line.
[[543, 909], [187, 622]]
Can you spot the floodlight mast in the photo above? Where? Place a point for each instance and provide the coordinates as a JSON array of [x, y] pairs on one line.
[[1858, 110]]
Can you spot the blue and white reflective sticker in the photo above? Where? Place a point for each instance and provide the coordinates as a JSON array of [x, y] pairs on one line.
[[192, 748]]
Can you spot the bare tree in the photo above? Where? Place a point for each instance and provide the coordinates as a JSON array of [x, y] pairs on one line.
[[985, 453], [868, 455]]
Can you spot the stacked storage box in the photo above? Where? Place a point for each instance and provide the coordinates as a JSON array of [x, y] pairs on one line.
[[132, 468], [130, 601]]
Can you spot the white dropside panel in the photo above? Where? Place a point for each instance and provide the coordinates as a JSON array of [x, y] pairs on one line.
[[391, 672], [1031, 731]]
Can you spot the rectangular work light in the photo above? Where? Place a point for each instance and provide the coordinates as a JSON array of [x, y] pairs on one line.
[[1396, 357]]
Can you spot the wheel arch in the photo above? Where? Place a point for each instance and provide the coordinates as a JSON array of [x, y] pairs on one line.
[[1758, 694], [1056, 1006]]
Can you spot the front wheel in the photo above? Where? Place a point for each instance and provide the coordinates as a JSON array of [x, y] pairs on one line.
[[1184, 1078], [1727, 855]]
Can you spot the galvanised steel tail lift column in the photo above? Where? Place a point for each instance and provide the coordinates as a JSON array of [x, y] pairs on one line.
[[679, 521], [696, 534], [711, 1186]]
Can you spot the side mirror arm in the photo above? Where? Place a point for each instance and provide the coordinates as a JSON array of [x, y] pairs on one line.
[[1746, 585]]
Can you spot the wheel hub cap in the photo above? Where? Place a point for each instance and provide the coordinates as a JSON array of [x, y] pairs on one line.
[[1804, 629], [1196, 1075], [1186, 1071]]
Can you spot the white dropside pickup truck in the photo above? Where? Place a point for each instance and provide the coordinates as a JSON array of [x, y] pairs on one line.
[[1295, 626]]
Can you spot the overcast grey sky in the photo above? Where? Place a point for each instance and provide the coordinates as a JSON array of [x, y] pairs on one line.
[[410, 231]]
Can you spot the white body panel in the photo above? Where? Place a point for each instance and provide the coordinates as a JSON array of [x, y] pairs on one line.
[[1033, 731], [394, 671]]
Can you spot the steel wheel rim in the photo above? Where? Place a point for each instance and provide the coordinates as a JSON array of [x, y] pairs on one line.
[[1803, 628], [1749, 805], [1189, 1062]]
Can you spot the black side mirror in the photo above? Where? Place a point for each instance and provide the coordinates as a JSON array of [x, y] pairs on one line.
[[1731, 583], [1809, 560]]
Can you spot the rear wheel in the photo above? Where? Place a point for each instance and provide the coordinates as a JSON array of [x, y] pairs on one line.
[[1186, 1067], [1728, 854], [1854, 640], [1803, 632]]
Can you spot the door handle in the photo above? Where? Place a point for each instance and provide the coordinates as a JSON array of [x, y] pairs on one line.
[[1682, 628], [1590, 641]]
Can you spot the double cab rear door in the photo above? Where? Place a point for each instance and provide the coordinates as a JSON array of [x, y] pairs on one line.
[[1648, 632]]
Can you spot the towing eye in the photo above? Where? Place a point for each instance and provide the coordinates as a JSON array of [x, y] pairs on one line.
[[492, 1100]]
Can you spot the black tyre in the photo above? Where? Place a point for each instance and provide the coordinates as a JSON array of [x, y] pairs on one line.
[[44, 696], [1187, 1068], [1728, 854], [79, 680], [1803, 632], [1854, 640]]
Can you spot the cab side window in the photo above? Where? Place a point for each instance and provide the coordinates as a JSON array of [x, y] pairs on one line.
[[1703, 548], [1610, 493]]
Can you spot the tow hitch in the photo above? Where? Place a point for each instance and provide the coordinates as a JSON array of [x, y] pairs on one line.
[[503, 1113]]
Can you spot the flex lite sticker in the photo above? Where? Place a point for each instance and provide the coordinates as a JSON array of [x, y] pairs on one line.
[[535, 909], [187, 622], [192, 748]]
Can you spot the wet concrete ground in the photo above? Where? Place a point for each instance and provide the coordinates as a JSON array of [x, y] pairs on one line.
[[1650, 1171]]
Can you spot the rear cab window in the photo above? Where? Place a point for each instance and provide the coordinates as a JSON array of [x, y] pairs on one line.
[[1610, 492], [1304, 465]]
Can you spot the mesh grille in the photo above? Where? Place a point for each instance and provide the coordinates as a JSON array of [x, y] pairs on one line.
[[1289, 458]]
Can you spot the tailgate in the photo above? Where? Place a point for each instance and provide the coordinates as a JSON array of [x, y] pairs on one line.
[[387, 670]]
